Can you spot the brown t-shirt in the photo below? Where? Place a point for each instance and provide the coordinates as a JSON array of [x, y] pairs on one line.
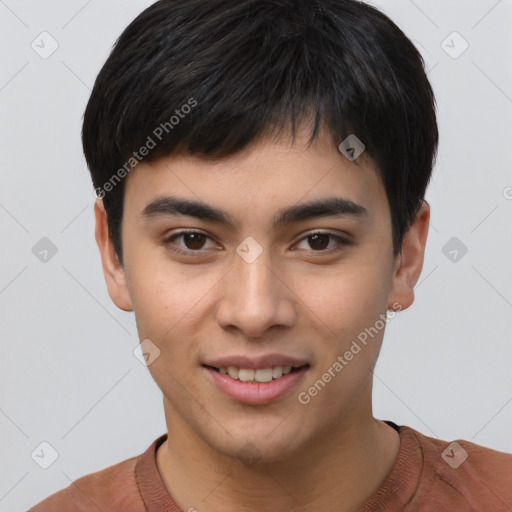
[[429, 475]]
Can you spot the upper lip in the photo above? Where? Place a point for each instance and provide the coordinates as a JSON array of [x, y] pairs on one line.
[[256, 363]]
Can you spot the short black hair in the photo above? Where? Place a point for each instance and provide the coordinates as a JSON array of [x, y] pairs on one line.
[[210, 77]]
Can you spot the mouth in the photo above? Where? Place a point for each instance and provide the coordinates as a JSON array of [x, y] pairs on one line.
[[257, 385], [260, 375]]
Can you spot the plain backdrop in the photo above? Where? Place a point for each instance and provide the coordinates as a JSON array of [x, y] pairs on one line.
[[68, 374]]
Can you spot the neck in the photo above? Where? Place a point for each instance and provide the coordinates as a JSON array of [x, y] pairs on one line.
[[337, 472]]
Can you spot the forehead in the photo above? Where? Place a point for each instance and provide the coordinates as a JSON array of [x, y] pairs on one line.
[[260, 181]]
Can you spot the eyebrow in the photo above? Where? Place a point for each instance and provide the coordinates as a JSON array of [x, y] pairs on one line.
[[328, 207]]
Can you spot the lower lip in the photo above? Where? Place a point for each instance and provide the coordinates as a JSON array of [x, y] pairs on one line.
[[257, 392]]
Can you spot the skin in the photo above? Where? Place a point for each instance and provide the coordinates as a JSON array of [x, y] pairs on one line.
[[297, 299]]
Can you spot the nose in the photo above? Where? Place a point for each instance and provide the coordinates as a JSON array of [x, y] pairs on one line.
[[256, 297]]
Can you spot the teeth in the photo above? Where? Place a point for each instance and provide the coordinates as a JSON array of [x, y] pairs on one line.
[[245, 375], [277, 372], [263, 375], [260, 375], [233, 372]]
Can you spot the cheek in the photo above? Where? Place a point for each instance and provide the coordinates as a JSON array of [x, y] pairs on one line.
[[170, 303], [158, 306], [348, 300], [351, 305]]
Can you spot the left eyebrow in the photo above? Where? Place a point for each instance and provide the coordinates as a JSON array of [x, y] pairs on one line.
[[329, 207]]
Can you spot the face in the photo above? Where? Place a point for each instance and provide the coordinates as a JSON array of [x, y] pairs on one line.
[[245, 295]]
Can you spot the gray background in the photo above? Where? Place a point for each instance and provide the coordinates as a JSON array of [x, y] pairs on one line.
[[68, 375]]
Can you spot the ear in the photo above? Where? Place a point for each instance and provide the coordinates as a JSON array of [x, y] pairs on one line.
[[113, 271], [409, 263]]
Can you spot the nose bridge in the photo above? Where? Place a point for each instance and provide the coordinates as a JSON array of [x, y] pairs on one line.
[[254, 299], [256, 276], [254, 283]]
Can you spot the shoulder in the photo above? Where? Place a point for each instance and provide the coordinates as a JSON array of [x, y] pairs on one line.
[[114, 489], [476, 476]]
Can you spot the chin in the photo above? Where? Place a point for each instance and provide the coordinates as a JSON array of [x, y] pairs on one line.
[[258, 447]]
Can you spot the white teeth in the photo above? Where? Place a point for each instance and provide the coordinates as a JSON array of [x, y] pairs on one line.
[[263, 375], [233, 372], [260, 375], [277, 372], [245, 375]]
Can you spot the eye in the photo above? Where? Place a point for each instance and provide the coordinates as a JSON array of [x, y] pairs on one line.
[[194, 242], [320, 242]]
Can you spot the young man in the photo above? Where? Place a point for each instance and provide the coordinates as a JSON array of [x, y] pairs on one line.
[[261, 167]]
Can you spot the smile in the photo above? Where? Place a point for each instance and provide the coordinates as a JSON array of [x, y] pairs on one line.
[[261, 375], [256, 386]]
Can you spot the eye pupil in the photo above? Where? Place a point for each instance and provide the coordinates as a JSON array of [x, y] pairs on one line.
[[197, 240], [317, 237]]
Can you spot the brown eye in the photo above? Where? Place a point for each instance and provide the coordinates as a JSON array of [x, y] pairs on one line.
[[319, 241], [324, 242], [192, 242]]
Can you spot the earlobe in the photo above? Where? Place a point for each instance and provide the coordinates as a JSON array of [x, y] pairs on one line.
[[409, 262], [113, 271]]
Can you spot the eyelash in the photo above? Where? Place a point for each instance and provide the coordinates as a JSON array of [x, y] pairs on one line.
[[342, 242]]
